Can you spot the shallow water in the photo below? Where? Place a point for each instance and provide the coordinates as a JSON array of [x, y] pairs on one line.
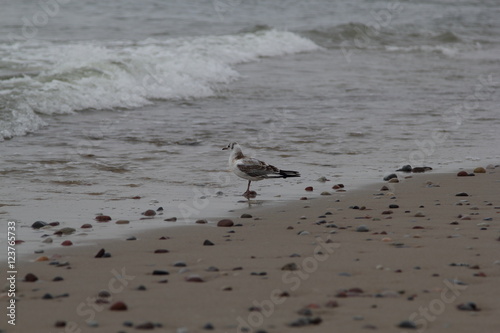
[[103, 104]]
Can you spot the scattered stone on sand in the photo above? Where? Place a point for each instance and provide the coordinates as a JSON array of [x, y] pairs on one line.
[[131, 238], [290, 267], [461, 194], [160, 272], [149, 212], [419, 214], [118, 306], [141, 288], [362, 228], [39, 224], [194, 278], [67, 243], [323, 179], [331, 304], [393, 206], [161, 251], [104, 294], [179, 264], [469, 306], [122, 222], [57, 279], [47, 240], [421, 169], [393, 180], [47, 296], [246, 216], [479, 170], [60, 323], [86, 226], [391, 176], [384, 188], [462, 174], [208, 243], [407, 324], [171, 219], [103, 218], [202, 221], [309, 188], [325, 193], [225, 223], [30, 277], [387, 212], [208, 327], [304, 233], [212, 269]]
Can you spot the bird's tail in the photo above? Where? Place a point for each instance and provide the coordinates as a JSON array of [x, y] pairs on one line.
[[289, 173]]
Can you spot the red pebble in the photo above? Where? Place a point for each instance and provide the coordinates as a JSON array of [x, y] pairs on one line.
[[462, 174], [309, 189], [225, 223], [118, 306], [67, 243], [86, 226], [103, 218]]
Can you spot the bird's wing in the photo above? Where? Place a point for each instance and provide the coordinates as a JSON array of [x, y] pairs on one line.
[[255, 168]]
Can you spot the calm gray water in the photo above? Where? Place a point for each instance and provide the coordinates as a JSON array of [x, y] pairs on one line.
[[102, 101]]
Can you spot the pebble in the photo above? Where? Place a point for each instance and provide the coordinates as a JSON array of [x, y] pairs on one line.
[[290, 267], [212, 269], [39, 224], [325, 193], [160, 272], [194, 278], [171, 219], [419, 214], [479, 170], [100, 254], [391, 176], [104, 294], [225, 223], [149, 212], [393, 206], [122, 222], [304, 233], [161, 251], [393, 180], [362, 228], [92, 323], [47, 296], [469, 306], [145, 326], [60, 323], [406, 168], [201, 221], [309, 189], [332, 304], [384, 188], [86, 226], [208, 327], [462, 174], [103, 218], [67, 243], [131, 238], [47, 240], [179, 264], [246, 216], [65, 231], [208, 243], [407, 324], [128, 324], [118, 306], [461, 194], [57, 278], [306, 321]]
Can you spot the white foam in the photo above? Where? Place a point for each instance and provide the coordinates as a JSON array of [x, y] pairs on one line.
[[96, 75]]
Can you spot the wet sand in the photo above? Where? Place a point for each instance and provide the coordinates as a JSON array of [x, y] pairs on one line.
[[344, 262]]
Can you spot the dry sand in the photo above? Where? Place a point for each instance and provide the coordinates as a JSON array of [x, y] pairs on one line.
[[406, 267]]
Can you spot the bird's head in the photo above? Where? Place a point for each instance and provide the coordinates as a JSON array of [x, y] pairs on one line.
[[231, 146]]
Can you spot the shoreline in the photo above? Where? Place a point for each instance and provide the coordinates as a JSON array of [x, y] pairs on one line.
[[290, 265]]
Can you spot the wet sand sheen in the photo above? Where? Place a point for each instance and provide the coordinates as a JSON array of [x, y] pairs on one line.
[[430, 260]]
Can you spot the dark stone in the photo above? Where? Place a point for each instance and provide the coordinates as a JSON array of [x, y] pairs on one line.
[[118, 306], [54, 224], [393, 206], [309, 189], [225, 223], [462, 174], [306, 321], [100, 254], [208, 327], [60, 323], [103, 218], [461, 194], [146, 326], [104, 294], [171, 219], [30, 278], [160, 272], [469, 306], [47, 296], [246, 216], [86, 226], [131, 238], [194, 278], [201, 221], [407, 324], [57, 278], [406, 168], [149, 212], [161, 251], [39, 224], [290, 267], [391, 176], [208, 243]]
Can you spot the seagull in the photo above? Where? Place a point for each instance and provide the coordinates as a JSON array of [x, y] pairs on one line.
[[253, 169]]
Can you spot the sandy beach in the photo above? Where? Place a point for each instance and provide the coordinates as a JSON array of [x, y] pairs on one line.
[[413, 257]]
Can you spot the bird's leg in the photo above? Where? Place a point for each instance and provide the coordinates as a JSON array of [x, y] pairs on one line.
[[249, 194]]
